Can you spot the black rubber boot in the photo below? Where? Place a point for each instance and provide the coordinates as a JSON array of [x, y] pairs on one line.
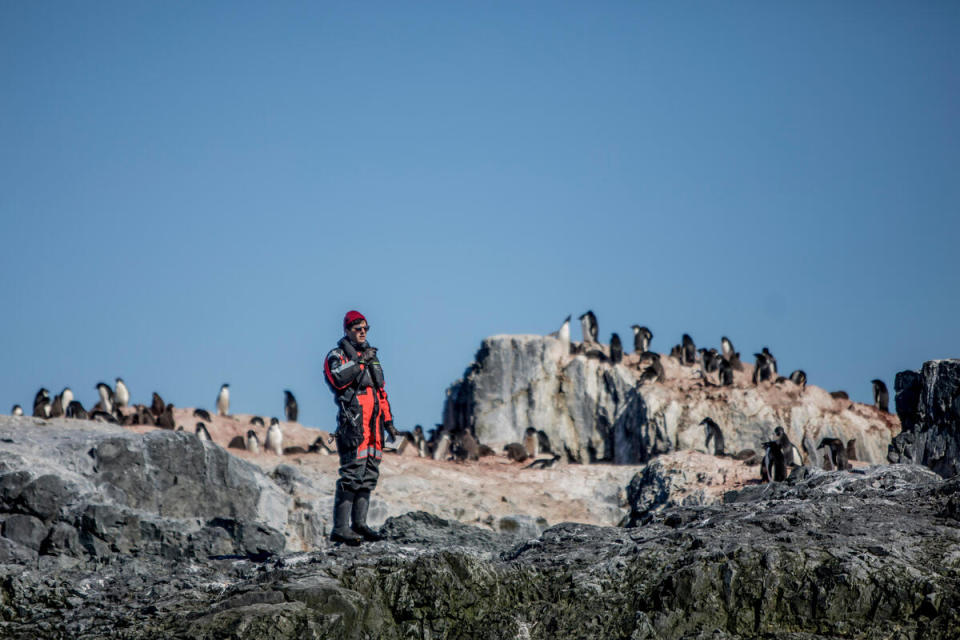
[[361, 502], [343, 502]]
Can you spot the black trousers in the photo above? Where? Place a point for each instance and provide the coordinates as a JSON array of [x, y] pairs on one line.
[[357, 474]]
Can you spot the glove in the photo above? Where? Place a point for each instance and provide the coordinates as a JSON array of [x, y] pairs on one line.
[[369, 354], [388, 425]]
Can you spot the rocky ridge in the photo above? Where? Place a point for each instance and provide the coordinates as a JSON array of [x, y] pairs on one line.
[[829, 555], [596, 410]]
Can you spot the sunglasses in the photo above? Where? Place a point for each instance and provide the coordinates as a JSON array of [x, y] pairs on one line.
[[359, 329]]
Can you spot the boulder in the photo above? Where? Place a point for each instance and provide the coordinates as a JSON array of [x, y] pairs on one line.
[[77, 488], [597, 411], [928, 403]]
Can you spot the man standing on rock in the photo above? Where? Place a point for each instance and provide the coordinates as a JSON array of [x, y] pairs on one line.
[[354, 374]]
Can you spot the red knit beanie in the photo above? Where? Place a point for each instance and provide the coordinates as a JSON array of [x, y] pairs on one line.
[[351, 317]]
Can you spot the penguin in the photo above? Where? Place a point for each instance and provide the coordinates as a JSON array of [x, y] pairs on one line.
[[543, 442], [290, 409], [881, 397], [516, 451], [641, 339], [772, 469], [726, 348], [157, 406], [466, 447], [531, 444], [41, 404], [713, 432], [791, 456], [563, 333], [616, 349], [166, 419], [257, 420], [56, 409], [689, 354], [66, 397], [839, 395], [202, 432], [420, 441], [106, 397], [799, 378], [725, 373], [274, 441], [145, 416], [653, 373], [771, 361], [320, 446], [223, 400], [103, 416], [677, 353], [203, 414], [710, 359], [441, 450], [121, 393], [838, 452], [76, 410], [762, 370], [180, 428], [253, 443], [543, 463], [588, 324], [17, 410]]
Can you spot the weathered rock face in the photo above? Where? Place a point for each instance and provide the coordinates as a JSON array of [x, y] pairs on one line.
[[928, 403], [838, 554], [599, 410], [72, 490]]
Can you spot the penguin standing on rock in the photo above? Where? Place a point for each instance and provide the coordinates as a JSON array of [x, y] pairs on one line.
[[616, 349], [274, 441], [588, 324], [202, 432], [641, 338], [122, 394], [41, 404], [253, 442], [17, 410], [290, 409], [881, 397], [223, 400], [563, 333], [106, 397]]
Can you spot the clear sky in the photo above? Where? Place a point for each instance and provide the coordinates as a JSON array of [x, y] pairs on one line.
[[195, 193]]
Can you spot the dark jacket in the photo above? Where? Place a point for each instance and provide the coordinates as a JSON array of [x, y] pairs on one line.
[[356, 379]]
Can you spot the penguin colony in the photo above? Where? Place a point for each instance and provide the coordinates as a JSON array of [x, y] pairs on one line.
[[715, 368], [113, 406]]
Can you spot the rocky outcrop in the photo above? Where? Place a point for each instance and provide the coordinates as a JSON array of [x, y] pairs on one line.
[[835, 554], [928, 403], [71, 491], [597, 410]]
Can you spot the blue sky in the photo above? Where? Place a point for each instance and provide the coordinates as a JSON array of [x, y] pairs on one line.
[[195, 193]]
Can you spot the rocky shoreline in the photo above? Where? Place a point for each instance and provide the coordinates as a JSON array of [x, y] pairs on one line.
[[830, 555], [110, 533]]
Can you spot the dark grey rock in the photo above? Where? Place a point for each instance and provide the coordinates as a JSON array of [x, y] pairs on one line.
[[25, 530], [45, 496], [12, 552], [62, 540], [928, 404]]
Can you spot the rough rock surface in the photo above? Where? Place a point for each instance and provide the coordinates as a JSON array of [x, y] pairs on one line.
[[598, 410], [833, 554], [928, 403], [79, 490]]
